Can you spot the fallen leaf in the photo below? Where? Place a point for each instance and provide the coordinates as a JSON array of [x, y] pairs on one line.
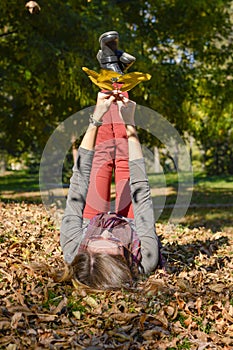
[[217, 287], [15, 319], [33, 7]]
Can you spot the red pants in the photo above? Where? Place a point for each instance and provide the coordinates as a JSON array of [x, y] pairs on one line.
[[111, 158]]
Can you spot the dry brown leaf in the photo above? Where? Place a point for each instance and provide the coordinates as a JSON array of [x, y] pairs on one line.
[[33, 7], [47, 318], [180, 301], [15, 319], [217, 287], [160, 316], [188, 321], [126, 317], [155, 332], [5, 324], [227, 316], [170, 310], [60, 306], [199, 305], [184, 285]]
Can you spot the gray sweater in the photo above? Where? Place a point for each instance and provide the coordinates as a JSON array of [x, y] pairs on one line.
[[73, 227]]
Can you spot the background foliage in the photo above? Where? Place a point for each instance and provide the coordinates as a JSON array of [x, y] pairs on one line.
[[186, 46]]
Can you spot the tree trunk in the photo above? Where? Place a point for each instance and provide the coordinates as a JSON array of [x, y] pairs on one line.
[[157, 167], [2, 162]]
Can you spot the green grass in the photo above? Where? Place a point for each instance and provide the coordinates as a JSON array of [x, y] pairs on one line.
[[211, 202], [215, 190], [19, 181]]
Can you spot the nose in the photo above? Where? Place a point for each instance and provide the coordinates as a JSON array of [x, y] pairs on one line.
[[106, 234]]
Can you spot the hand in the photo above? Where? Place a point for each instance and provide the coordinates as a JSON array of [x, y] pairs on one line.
[[126, 110], [103, 104]]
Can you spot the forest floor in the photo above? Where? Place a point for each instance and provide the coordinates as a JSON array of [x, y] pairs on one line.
[[189, 306]]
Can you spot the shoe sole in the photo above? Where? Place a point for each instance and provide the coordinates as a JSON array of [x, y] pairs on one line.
[[112, 35]]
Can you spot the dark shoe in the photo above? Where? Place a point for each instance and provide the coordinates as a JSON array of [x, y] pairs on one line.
[[110, 57]]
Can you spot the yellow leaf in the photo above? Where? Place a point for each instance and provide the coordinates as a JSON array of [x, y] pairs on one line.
[[90, 301], [107, 79], [77, 314]]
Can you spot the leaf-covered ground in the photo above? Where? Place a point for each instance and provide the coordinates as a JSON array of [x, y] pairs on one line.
[[188, 307]]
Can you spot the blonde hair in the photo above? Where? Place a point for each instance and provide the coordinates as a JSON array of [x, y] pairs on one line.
[[99, 271]]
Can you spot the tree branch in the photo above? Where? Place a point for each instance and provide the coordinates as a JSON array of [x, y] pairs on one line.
[[8, 33]]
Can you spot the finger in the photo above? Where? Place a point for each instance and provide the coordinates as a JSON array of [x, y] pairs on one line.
[[102, 96], [124, 99], [107, 92], [120, 103], [120, 96], [111, 98]]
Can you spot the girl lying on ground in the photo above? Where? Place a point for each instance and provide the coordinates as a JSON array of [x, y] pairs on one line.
[[104, 247]]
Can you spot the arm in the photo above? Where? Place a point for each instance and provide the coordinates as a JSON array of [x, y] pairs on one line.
[[140, 191], [71, 228]]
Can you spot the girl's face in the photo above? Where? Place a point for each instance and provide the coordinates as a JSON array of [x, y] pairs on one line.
[[105, 244]]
